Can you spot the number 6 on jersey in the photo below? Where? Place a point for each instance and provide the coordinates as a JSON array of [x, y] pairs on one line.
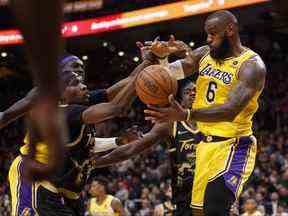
[[210, 95]]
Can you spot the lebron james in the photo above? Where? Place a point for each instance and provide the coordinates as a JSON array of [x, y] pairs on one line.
[[231, 78]]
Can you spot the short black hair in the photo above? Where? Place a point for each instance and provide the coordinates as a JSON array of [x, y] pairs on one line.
[[181, 86], [101, 180], [224, 16]]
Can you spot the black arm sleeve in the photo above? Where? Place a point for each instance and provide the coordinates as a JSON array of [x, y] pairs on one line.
[[98, 96]]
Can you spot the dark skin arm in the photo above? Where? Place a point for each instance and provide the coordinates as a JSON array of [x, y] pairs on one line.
[[124, 152], [117, 87], [251, 80], [100, 112], [118, 207], [18, 109], [40, 24], [190, 62], [116, 107]]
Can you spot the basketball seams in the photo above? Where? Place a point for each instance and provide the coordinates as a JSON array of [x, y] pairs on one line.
[[161, 75], [145, 92], [152, 83]]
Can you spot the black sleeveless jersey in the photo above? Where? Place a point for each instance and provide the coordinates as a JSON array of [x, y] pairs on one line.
[[76, 167], [183, 155]]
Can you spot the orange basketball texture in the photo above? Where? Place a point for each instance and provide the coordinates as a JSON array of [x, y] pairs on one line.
[[154, 85]]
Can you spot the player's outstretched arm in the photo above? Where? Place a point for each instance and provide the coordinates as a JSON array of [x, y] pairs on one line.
[[184, 67], [117, 106], [190, 64], [121, 153], [251, 80], [116, 88], [18, 109]]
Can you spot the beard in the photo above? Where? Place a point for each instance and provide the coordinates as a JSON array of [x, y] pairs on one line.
[[222, 51]]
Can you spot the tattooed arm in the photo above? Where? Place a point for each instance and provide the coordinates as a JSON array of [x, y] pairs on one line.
[[190, 64], [181, 68], [251, 80]]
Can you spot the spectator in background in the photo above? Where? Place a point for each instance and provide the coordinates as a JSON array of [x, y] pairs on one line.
[[146, 209], [281, 211], [166, 208], [273, 204], [250, 208], [102, 203], [122, 192]]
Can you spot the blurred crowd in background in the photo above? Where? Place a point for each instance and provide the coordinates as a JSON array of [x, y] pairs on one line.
[[140, 181]]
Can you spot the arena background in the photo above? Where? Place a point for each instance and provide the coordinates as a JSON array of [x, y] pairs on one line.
[[110, 53]]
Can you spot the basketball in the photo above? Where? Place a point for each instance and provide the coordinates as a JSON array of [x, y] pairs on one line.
[[154, 85]]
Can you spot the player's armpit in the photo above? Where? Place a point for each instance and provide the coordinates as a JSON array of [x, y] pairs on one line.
[[118, 207], [121, 153]]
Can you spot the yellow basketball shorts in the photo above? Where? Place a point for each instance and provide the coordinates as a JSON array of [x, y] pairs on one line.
[[34, 198], [234, 159]]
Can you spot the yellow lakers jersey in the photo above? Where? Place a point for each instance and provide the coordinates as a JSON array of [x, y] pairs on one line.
[[41, 154], [213, 86], [103, 209]]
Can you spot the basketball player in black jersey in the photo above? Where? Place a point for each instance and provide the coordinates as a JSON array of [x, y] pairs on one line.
[[182, 151], [69, 178], [184, 138], [69, 64]]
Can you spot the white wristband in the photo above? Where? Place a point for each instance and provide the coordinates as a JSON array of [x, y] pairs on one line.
[[176, 70], [104, 144]]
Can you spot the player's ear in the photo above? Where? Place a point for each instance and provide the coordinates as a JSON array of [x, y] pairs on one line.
[[230, 30]]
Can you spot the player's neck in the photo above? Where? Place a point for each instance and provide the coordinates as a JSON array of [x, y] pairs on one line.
[[236, 49], [100, 199]]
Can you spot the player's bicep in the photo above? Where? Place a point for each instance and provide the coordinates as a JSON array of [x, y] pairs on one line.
[[100, 112], [251, 80]]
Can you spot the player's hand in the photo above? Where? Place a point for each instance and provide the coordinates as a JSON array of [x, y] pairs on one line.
[[182, 48], [146, 53], [163, 49], [175, 112], [130, 135]]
